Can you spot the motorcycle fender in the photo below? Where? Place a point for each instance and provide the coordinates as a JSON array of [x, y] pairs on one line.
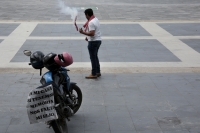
[[46, 78], [71, 85]]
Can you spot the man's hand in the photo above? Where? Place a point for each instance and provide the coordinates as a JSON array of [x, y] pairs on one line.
[[81, 30], [90, 33]]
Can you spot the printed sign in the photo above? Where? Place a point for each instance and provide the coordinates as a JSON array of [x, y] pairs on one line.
[[40, 107]]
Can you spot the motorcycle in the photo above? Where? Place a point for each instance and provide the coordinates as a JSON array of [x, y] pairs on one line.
[[56, 100]]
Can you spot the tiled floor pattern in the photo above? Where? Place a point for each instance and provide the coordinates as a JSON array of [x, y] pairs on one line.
[[6, 29], [124, 42], [110, 50], [184, 29], [114, 103], [106, 29]]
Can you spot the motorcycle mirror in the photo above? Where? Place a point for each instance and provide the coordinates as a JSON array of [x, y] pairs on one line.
[[27, 52]]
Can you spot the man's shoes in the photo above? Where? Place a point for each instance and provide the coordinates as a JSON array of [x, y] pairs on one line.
[[98, 74], [91, 76]]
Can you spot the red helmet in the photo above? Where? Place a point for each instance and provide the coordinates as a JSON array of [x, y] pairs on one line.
[[64, 59]]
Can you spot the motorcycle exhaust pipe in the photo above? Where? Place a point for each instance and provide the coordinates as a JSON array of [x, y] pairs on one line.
[[68, 111]]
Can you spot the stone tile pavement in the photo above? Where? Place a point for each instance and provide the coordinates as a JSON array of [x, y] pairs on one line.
[[193, 43], [136, 44], [184, 29], [119, 101], [106, 29], [6, 29], [111, 50], [135, 10], [150, 70], [1, 40], [136, 103]]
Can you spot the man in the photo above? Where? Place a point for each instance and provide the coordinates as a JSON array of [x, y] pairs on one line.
[[92, 30]]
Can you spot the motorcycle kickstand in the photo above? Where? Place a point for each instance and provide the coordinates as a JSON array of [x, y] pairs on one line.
[[49, 126]]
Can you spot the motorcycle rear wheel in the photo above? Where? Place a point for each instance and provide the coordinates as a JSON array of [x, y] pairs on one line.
[[59, 126], [77, 97]]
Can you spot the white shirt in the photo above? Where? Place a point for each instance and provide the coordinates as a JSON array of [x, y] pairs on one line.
[[94, 25]]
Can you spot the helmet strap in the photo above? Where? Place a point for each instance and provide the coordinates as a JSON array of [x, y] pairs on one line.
[[40, 71]]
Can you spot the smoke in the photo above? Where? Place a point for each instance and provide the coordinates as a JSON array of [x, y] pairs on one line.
[[67, 10]]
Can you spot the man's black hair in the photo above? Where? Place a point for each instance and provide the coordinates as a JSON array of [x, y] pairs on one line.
[[89, 12]]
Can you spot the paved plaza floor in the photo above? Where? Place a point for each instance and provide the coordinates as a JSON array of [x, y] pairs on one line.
[[125, 44], [129, 10], [122, 103], [149, 56]]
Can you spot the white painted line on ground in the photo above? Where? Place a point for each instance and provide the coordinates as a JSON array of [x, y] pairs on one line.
[[187, 37], [119, 22], [177, 47], [108, 37], [135, 22], [3, 37], [10, 45], [102, 22], [55, 38], [83, 37]]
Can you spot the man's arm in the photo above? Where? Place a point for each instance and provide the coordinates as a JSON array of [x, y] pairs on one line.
[[90, 33]]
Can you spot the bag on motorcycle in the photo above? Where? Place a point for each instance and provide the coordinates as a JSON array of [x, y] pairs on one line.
[[40, 104]]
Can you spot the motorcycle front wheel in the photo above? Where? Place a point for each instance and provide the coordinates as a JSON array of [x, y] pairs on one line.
[[59, 126]]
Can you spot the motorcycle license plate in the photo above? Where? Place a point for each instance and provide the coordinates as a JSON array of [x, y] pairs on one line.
[[40, 104]]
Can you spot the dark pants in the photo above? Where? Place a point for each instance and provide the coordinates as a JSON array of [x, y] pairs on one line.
[[93, 47]]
